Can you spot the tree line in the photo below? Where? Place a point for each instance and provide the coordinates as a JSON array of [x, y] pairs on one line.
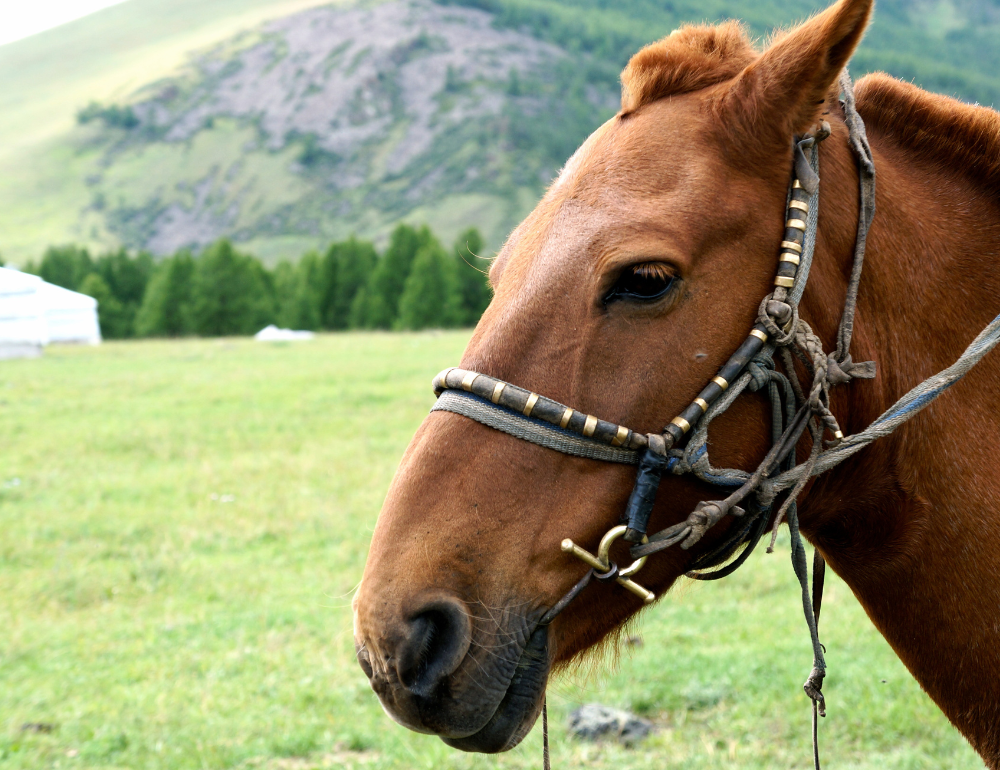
[[416, 283]]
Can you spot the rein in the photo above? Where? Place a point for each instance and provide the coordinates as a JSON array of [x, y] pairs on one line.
[[682, 447]]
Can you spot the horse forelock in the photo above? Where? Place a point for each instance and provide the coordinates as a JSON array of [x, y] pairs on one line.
[[690, 58]]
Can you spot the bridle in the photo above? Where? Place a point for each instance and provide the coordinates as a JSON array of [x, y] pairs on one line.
[[682, 446]]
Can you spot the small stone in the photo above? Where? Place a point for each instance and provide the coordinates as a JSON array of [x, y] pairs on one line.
[[594, 722], [37, 727]]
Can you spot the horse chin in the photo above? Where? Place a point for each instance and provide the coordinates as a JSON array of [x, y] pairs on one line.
[[520, 705]]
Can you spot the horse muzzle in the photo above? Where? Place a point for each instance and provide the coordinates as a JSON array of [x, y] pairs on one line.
[[434, 672]]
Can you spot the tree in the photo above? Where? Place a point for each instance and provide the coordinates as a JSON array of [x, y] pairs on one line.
[[66, 266], [115, 322], [166, 305], [432, 296], [126, 278], [347, 267], [472, 278], [298, 289], [381, 306], [230, 293]]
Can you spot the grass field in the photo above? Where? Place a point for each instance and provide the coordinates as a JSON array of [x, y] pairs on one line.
[[182, 525]]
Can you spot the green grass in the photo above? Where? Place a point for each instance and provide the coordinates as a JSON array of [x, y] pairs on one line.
[[183, 524]]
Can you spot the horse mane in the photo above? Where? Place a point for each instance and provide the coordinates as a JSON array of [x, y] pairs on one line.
[[688, 59], [944, 130], [958, 136]]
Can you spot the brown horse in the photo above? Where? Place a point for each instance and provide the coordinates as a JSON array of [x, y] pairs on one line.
[[682, 194]]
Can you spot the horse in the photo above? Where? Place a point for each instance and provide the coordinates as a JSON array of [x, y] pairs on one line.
[[622, 293]]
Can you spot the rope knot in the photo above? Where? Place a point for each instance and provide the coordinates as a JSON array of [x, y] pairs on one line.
[[779, 318], [705, 516], [841, 372], [814, 689], [760, 375]]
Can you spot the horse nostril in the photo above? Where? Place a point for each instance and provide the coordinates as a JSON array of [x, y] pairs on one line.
[[439, 636], [364, 659]]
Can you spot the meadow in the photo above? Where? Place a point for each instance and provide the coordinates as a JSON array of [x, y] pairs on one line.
[[182, 524]]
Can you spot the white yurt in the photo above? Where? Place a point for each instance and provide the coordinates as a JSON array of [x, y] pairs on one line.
[[34, 313], [23, 330], [69, 315]]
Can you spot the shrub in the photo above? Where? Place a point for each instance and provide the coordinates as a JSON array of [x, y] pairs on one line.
[[112, 115]]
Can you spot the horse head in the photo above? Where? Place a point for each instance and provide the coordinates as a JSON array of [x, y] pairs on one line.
[[622, 293]]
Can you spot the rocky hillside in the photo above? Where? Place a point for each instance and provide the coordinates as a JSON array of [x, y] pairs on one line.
[[340, 119], [332, 121]]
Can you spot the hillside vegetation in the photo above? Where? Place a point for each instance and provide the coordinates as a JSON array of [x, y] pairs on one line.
[[284, 125]]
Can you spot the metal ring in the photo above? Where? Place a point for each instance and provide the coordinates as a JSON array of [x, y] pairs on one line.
[[611, 574], [604, 549]]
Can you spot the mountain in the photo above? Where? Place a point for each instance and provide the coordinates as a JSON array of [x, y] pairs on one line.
[[162, 124]]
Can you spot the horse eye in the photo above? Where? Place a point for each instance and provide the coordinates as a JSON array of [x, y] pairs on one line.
[[647, 281]]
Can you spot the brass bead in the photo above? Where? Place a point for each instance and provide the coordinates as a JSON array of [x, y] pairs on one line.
[[792, 246], [532, 400], [681, 423], [590, 425], [782, 280], [762, 336], [497, 390]]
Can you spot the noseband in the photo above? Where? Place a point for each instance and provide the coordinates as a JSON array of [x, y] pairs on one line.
[[682, 445]]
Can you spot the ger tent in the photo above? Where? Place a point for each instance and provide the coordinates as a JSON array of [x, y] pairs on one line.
[[69, 315], [23, 330], [34, 313]]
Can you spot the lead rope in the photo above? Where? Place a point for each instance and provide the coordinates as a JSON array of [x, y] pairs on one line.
[[546, 764], [819, 573]]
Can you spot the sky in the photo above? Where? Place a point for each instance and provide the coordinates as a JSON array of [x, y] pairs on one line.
[[19, 18]]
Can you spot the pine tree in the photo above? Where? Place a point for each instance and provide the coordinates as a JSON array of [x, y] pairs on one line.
[[432, 296], [115, 322], [231, 293], [389, 276], [66, 266], [472, 278], [166, 305], [298, 289], [127, 278], [347, 268]]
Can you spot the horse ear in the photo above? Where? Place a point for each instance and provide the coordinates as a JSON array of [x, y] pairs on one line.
[[784, 91]]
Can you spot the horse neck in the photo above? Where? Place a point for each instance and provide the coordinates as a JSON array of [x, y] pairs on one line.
[[909, 523]]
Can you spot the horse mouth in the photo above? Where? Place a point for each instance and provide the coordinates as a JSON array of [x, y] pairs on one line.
[[520, 705]]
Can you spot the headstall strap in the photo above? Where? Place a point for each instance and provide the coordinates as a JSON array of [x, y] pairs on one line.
[[795, 410]]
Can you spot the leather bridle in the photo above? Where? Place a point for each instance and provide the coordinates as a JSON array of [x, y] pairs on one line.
[[682, 446]]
